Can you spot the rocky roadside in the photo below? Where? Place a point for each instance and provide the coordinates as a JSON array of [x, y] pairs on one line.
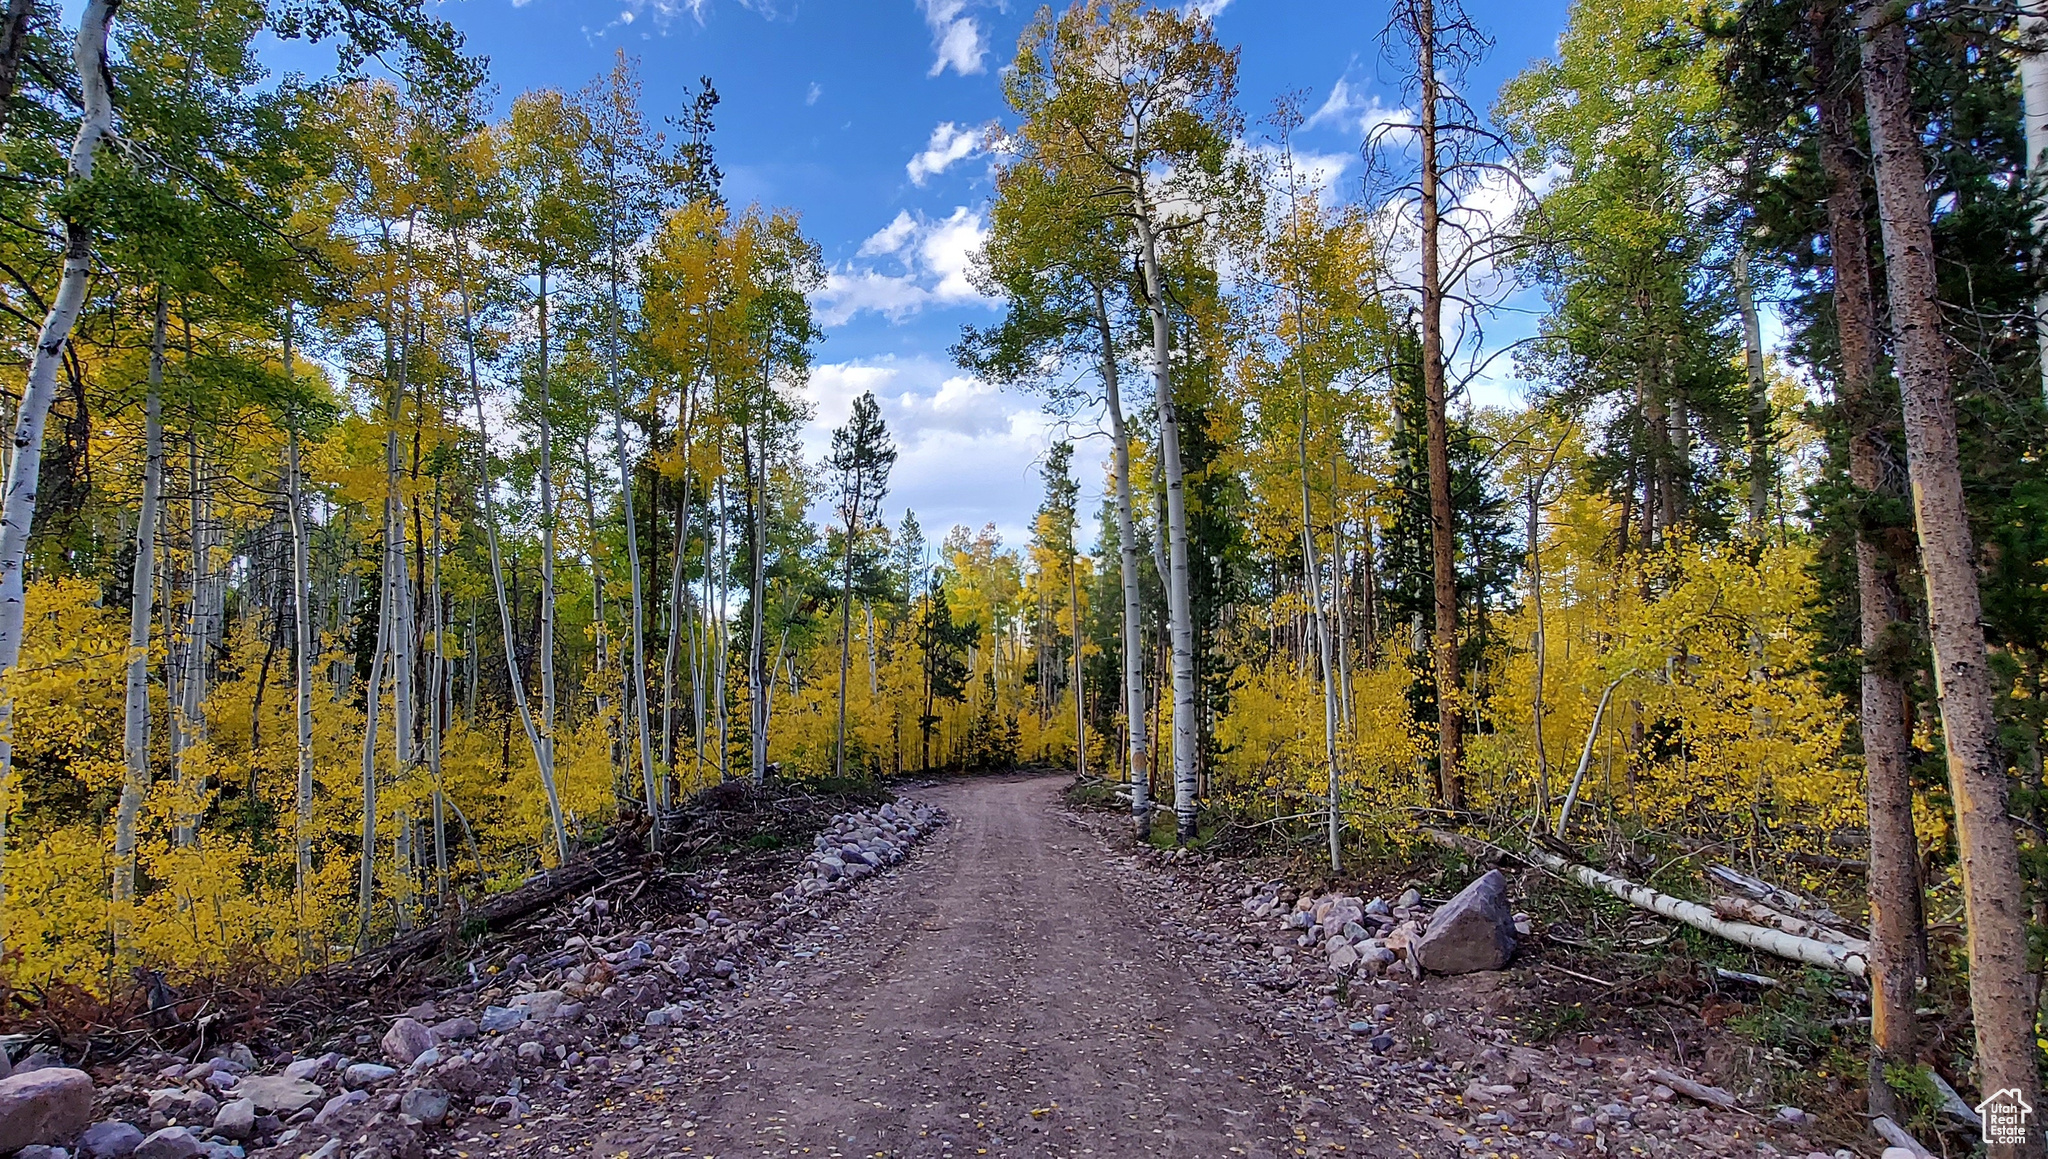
[[1337, 976], [468, 1062]]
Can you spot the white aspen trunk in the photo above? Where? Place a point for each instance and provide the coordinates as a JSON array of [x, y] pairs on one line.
[[636, 689], [519, 702], [757, 675], [547, 557], [2033, 65], [1140, 741], [373, 702], [722, 638], [141, 604], [1080, 709], [302, 666], [190, 725], [1759, 395], [1334, 824], [600, 630], [18, 507], [846, 628], [436, 691], [1180, 613]]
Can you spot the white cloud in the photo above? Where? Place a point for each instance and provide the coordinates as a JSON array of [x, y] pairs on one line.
[[932, 258], [956, 38], [812, 94], [1210, 9], [948, 427], [1362, 113], [949, 144]]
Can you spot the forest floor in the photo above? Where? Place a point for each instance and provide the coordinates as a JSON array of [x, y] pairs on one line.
[[1028, 983]]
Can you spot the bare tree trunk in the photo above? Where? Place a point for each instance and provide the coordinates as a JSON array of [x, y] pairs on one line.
[[547, 549], [1140, 742], [1761, 468], [2033, 63], [1321, 627], [190, 724], [1537, 646], [373, 700], [846, 628], [2001, 1003], [1180, 612], [757, 592], [141, 602], [302, 666], [1080, 710], [1442, 529], [1893, 877], [541, 753], [14, 26], [437, 686]]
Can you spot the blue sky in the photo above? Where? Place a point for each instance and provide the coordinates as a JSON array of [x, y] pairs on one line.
[[862, 115]]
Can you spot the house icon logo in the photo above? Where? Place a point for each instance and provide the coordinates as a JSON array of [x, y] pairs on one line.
[[2005, 1116]]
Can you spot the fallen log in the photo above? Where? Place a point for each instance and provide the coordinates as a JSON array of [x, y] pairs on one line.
[[1776, 942], [1896, 1135], [1757, 913], [1696, 1091], [1776, 897]]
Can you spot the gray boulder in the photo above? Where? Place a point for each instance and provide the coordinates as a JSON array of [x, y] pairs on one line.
[[1473, 931], [51, 1105], [366, 1074], [427, 1104], [112, 1139], [280, 1094], [41, 1151], [169, 1143], [407, 1039], [456, 1029], [237, 1120]]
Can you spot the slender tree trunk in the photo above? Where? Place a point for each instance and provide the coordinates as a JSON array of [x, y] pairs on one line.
[[2001, 1003], [1140, 742], [1180, 613], [547, 545], [1332, 816], [509, 637], [1538, 646], [846, 627], [302, 661], [14, 28], [722, 661], [141, 603], [1761, 468], [1893, 876], [191, 707], [757, 591], [437, 717], [1080, 709], [373, 700], [2033, 62], [1442, 528]]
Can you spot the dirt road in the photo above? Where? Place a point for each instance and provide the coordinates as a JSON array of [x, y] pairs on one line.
[[1003, 994]]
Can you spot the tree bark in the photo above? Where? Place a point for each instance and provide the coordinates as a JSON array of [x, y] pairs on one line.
[[1442, 529], [1180, 612], [14, 27], [1760, 466], [2033, 67], [302, 666], [547, 545], [1139, 740], [1893, 876], [141, 604], [1993, 891]]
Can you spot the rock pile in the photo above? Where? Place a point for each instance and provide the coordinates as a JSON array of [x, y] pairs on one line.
[[573, 1017], [1366, 939], [857, 845]]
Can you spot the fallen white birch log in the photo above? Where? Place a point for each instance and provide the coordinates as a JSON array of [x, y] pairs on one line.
[[1757, 913], [1697, 1091], [1896, 1135], [1776, 897], [1770, 941]]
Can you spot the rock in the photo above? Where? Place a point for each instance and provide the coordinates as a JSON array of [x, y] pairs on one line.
[[1473, 931], [112, 1139], [169, 1143], [1897, 1153], [1409, 899], [41, 1151], [367, 1074], [1580, 1124], [6, 1063], [50, 1105], [38, 1060], [340, 1105], [428, 1059], [407, 1039], [456, 1030], [1342, 956], [1381, 1043], [499, 1019], [237, 1120], [280, 1093], [427, 1104], [530, 1052], [183, 1106], [542, 1004], [305, 1068]]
